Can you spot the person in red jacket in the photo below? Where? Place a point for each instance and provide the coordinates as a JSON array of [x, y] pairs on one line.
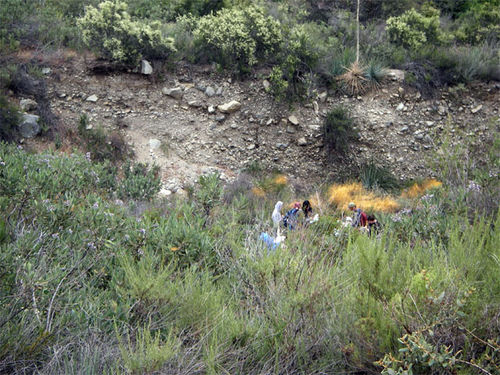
[[360, 218]]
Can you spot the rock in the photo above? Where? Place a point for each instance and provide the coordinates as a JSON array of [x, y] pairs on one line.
[[282, 146], [400, 107], [29, 127], [175, 92], [293, 120], [164, 193], [209, 91], [442, 110], [220, 118], [322, 97], [46, 71], [230, 107], [429, 124], [396, 75], [427, 138], [211, 109], [250, 147], [195, 104], [28, 104], [92, 98], [404, 129], [290, 130], [146, 67], [316, 107], [219, 91], [302, 141], [266, 84], [476, 109], [154, 144]]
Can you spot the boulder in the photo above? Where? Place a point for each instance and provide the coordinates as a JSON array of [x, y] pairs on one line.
[[293, 120], [154, 144], [209, 91], [230, 107], [302, 141], [28, 104], [396, 75], [175, 92], [146, 67], [29, 127]]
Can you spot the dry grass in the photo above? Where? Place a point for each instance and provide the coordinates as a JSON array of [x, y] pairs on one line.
[[342, 194], [417, 190], [258, 192], [353, 80], [280, 180]]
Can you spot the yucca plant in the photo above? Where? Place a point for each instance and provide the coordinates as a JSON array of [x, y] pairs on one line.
[[353, 81], [375, 73]]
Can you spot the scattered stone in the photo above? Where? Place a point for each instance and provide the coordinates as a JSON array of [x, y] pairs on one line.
[[476, 109], [302, 141], [266, 84], [400, 107], [219, 91], [220, 118], [28, 105], [429, 124], [293, 120], [442, 110], [230, 107], [316, 107], [154, 143], [146, 68], [234, 126], [175, 92], [427, 138], [269, 122], [290, 130], [92, 98], [46, 71], [250, 147], [209, 91], [404, 129], [29, 127], [211, 109]]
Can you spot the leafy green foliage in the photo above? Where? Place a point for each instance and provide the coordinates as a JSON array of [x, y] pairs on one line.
[[338, 129], [374, 176], [238, 37], [140, 182], [481, 23], [413, 29], [9, 119], [110, 30]]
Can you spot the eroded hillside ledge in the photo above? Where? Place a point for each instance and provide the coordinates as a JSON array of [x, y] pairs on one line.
[[197, 121]]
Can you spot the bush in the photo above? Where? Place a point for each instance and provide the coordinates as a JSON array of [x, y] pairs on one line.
[[413, 29], [139, 182], [10, 118], [338, 130], [481, 23], [112, 33], [238, 37], [477, 63], [373, 176]]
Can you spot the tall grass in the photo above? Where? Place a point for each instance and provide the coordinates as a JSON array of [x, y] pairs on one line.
[[88, 286]]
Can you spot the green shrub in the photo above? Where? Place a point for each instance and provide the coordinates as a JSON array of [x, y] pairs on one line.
[[373, 176], [139, 182], [481, 23], [413, 29], [238, 37], [338, 130], [10, 118], [477, 63], [110, 30]]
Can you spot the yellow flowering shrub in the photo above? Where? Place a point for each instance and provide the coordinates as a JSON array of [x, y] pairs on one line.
[[419, 189], [342, 194]]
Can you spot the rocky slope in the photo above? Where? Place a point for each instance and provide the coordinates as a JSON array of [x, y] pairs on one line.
[[178, 123]]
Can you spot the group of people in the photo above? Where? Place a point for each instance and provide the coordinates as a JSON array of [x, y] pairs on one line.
[[302, 215]]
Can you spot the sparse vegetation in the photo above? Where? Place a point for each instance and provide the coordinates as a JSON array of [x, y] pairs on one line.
[[339, 130]]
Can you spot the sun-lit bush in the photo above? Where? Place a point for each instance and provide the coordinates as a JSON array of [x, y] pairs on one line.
[[110, 30], [419, 189], [342, 194]]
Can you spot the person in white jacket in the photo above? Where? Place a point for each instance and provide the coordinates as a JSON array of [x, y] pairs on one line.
[[276, 216]]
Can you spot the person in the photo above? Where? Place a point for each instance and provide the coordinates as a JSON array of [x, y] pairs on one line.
[[373, 225], [276, 216], [290, 218], [360, 218], [307, 209]]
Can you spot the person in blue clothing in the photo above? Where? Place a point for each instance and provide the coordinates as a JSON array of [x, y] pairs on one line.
[[291, 217]]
